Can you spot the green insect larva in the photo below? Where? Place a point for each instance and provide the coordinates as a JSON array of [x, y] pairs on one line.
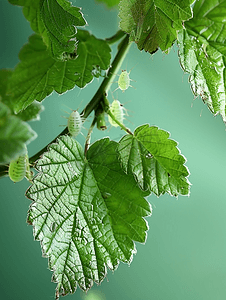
[[74, 123], [124, 81], [117, 109], [17, 168]]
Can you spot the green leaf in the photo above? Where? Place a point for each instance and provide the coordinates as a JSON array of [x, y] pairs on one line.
[[31, 112], [38, 74], [153, 24], [56, 21], [87, 212], [109, 3], [155, 161], [14, 135], [5, 74], [202, 53], [60, 19], [94, 55]]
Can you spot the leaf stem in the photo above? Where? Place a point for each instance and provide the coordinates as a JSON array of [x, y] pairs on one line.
[[119, 34], [88, 138]]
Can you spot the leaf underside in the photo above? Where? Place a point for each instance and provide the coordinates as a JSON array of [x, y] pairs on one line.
[[86, 212], [153, 24], [202, 53]]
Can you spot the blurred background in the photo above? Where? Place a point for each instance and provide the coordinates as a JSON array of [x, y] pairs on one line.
[[185, 253]]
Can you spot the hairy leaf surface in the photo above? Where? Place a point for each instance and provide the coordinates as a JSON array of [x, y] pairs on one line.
[[153, 24], [56, 21], [38, 74], [87, 212], [202, 53], [14, 135], [155, 161]]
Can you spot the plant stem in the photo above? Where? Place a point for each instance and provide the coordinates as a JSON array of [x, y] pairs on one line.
[[88, 138], [107, 82], [119, 34], [103, 89]]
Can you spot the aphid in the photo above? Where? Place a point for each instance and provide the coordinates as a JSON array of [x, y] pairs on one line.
[[18, 167], [74, 123], [117, 109], [124, 81]]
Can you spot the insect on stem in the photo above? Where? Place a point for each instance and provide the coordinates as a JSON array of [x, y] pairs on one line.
[[116, 114]]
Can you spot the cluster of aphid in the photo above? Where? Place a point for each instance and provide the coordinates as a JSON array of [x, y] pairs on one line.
[[75, 120], [20, 168], [116, 108]]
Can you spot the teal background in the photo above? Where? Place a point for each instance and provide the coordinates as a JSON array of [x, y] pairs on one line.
[[185, 253]]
